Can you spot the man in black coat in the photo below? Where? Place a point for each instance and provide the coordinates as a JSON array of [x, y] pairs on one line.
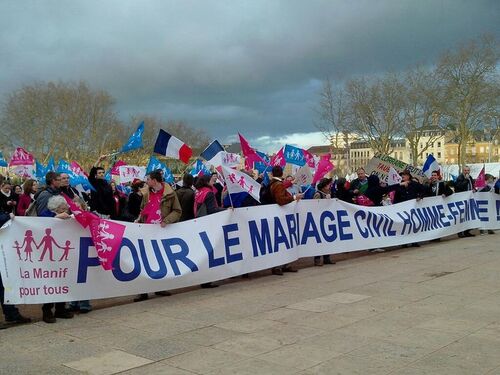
[[101, 200], [186, 197], [465, 183], [408, 189], [436, 187]]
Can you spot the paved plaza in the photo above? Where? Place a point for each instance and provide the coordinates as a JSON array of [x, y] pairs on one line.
[[428, 310]]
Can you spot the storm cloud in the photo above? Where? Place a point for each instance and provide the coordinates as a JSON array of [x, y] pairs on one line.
[[226, 66]]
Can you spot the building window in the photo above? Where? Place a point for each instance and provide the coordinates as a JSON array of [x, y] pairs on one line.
[[439, 155], [439, 144], [481, 149]]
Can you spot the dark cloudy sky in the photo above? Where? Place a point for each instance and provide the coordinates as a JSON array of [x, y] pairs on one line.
[[228, 66]]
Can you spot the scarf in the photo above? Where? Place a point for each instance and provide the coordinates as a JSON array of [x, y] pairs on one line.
[[152, 210]]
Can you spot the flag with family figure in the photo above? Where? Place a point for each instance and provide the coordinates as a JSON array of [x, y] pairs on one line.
[[239, 183]]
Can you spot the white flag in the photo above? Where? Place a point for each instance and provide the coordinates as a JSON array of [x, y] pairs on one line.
[[229, 159], [238, 182], [393, 178], [303, 176], [129, 173]]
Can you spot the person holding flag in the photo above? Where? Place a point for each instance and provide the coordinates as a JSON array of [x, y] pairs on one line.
[[101, 199], [160, 205]]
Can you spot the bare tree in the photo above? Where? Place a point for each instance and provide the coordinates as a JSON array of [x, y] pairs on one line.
[[421, 115], [332, 117], [470, 83], [63, 120], [377, 114]]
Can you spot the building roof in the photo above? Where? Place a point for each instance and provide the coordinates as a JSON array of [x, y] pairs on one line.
[[234, 148], [324, 149]]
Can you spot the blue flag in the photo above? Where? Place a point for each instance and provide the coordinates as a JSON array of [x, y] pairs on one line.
[[74, 179], [260, 166], [63, 166], [155, 164], [294, 155], [265, 180], [199, 168], [135, 140], [51, 165], [3, 162], [41, 171], [107, 175]]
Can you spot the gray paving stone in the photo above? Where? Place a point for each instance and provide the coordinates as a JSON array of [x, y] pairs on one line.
[[204, 360], [299, 355], [249, 345], [254, 366], [208, 336], [111, 362]]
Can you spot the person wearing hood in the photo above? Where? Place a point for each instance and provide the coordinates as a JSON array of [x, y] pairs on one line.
[[159, 205]]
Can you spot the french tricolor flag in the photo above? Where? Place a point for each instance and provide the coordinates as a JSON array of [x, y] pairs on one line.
[[431, 165], [167, 145], [212, 154]]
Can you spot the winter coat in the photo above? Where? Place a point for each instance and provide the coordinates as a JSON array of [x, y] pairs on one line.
[[170, 207], [186, 199]]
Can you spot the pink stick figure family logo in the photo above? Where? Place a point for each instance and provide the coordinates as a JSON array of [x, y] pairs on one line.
[[46, 247]]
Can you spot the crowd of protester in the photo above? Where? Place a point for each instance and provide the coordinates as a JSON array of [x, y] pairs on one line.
[[156, 202]]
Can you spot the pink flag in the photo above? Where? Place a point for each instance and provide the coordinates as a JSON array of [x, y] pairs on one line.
[[21, 157], [279, 159], [77, 169], [324, 166], [309, 158], [83, 217], [249, 153], [481, 179], [107, 236], [116, 167]]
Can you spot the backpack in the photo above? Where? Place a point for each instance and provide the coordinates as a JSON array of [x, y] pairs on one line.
[[31, 210], [266, 196]]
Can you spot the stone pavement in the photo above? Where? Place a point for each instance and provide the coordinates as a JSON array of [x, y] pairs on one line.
[[428, 310]]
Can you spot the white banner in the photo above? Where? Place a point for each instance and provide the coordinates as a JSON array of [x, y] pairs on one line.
[[218, 246]]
